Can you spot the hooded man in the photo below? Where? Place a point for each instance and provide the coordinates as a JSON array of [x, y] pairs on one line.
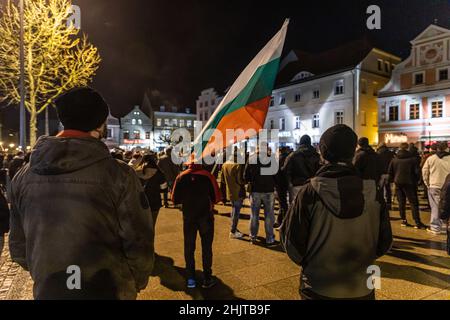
[[80, 221], [366, 161], [338, 225], [197, 191], [434, 172], [300, 166]]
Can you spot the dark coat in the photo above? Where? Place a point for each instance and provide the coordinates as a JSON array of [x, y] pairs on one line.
[[404, 169], [282, 183], [335, 240], [152, 187], [168, 168], [385, 157], [4, 215], [14, 166], [367, 163], [257, 181], [76, 205], [444, 206], [301, 165]]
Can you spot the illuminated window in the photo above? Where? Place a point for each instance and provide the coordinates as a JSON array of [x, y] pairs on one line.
[[126, 135], [393, 113], [316, 121], [181, 123], [133, 122], [139, 121], [414, 111], [375, 117], [159, 122], [339, 87], [189, 123], [437, 109], [137, 134], [167, 122], [297, 122], [174, 122], [339, 117]]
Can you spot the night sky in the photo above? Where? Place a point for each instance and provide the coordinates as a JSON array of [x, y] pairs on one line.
[[182, 47]]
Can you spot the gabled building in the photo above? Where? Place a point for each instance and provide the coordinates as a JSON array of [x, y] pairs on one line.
[[415, 105], [136, 129], [339, 86], [207, 103], [113, 134]]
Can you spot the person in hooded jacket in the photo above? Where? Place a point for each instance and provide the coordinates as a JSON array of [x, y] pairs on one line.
[[404, 172], [385, 157], [74, 207], [366, 161], [333, 239], [197, 191], [300, 166], [434, 172]]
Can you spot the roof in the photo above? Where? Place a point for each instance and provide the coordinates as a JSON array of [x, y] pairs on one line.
[[344, 57]]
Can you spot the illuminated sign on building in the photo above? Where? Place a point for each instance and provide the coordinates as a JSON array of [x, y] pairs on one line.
[[395, 138]]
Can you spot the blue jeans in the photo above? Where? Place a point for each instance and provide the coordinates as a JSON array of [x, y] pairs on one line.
[[434, 195], [268, 200], [235, 212]]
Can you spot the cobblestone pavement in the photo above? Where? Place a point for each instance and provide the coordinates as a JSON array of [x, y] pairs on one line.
[[416, 268]]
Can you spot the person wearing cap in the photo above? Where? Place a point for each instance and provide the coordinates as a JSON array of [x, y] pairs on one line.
[[196, 190], [80, 221], [366, 161], [338, 225], [300, 166]]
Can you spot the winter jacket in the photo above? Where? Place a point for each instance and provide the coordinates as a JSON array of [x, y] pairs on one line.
[[168, 168], [385, 157], [232, 175], [281, 180], [74, 205], [197, 191], [301, 165], [403, 169], [436, 169], [367, 163], [444, 206], [255, 177], [4, 215], [14, 166], [152, 180], [335, 240]]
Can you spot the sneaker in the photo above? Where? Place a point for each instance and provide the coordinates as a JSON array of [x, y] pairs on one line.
[[420, 226], [236, 235], [191, 284], [271, 243], [404, 223], [434, 231], [209, 283]]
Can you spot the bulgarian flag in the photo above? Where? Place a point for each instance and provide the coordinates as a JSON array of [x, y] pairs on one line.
[[246, 103]]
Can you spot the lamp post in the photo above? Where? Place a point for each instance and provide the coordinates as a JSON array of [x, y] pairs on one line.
[[23, 132]]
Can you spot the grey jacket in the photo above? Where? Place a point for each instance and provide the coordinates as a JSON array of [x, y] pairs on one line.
[[336, 229], [74, 205]]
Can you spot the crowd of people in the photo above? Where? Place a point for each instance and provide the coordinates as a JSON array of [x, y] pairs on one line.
[[74, 202]]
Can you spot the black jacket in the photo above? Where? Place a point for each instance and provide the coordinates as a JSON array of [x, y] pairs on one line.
[[152, 187], [281, 180], [403, 169], [366, 162], [385, 157], [74, 205], [259, 181], [4, 215], [335, 240], [444, 206], [14, 166], [301, 165]]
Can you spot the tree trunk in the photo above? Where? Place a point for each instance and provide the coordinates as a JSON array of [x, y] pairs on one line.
[[33, 129], [47, 129]]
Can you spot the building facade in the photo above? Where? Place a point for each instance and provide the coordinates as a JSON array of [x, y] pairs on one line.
[[415, 105], [207, 103], [339, 86], [113, 132], [136, 130]]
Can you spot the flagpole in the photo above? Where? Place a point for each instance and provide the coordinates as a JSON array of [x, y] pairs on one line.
[[23, 132]]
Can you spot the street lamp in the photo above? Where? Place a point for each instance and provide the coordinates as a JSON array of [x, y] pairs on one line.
[[23, 132]]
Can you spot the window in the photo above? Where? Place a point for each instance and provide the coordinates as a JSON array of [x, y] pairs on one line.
[[339, 117], [414, 111], [201, 105], [188, 110], [133, 122], [271, 125], [181, 123], [109, 133], [201, 117], [364, 86], [174, 122], [393, 113], [158, 122], [166, 122], [147, 135], [375, 117], [387, 66], [272, 102], [137, 134], [126, 135], [139, 121], [437, 109], [316, 93], [316, 121], [339, 87], [298, 97], [418, 78], [282, 124], [375, 89], [297, 122], [443, 74], [213, 102], [206, 103], [282, 100], [380, 65], [189, 123], [363, 116]]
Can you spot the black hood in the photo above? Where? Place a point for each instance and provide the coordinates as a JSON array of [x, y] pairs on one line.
[[367, 149], [404, 154], [340, 189], [442, 154], [305, 149], [53, 156]]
